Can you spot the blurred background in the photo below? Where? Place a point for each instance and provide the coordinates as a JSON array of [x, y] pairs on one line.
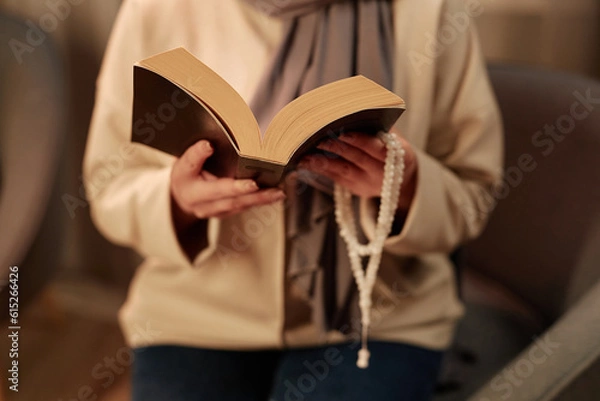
[[72, 281]]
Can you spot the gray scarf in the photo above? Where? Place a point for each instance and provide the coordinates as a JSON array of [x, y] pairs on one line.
[[324, 41]]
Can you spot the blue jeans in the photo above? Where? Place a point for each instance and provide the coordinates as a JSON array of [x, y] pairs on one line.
[[397, 372]]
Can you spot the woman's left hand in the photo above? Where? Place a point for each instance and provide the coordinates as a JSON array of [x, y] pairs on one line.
[[359, 166]]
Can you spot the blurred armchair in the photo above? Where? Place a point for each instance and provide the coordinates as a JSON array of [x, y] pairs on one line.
[[76, 45], [32, 128], [530, 282]]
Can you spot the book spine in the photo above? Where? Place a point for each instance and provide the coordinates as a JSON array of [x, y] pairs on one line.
[[266, 174]]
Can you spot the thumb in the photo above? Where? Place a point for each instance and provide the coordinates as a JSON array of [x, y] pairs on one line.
[[195, 156]]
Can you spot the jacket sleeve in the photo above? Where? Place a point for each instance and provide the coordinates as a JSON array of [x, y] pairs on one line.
[[128, 185], [462, 162]]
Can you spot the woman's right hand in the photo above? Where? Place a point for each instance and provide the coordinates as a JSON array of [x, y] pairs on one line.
[[199, 195]]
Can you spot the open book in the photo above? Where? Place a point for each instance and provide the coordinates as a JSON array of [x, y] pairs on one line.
[[178, 100]]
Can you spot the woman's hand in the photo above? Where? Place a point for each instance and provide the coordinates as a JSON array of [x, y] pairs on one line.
[[359, 166], [198, 194]]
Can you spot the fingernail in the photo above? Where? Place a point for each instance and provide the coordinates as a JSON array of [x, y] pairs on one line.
[[279, 195], [207, 145], [246, 185]]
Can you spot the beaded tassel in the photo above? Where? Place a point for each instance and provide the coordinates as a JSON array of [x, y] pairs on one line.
[[390, 192]]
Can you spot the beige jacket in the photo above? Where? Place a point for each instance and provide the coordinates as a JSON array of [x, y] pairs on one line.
[[233, 295]]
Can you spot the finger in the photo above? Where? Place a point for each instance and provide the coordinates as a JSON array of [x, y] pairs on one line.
[[336, 169], [192, 161], [352, 154], [341, 174], [370, 144], [200, 191], [208, 176], [230, 206]]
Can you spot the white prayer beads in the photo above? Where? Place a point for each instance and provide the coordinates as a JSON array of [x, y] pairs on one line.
[[390, 193]]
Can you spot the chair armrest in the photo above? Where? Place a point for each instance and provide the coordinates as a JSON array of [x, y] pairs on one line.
[[550, 366], [32, 124]]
